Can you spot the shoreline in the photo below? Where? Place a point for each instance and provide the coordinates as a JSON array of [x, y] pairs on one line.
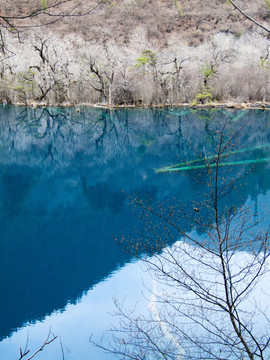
[[257, 105]]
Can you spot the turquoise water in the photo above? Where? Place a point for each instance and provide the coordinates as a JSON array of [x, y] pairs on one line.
[[65, 178]]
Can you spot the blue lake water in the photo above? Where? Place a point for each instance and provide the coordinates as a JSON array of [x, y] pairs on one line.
[[65, 178]]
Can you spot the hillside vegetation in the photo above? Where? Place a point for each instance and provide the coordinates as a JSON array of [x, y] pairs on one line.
[[141, 52]]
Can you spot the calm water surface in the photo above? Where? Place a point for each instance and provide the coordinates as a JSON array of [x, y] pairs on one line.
[[65, 178]]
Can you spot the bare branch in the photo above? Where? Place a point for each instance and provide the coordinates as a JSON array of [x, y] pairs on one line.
[[249, 17]]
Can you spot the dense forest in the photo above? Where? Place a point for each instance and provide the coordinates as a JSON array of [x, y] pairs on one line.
[[133, 52]]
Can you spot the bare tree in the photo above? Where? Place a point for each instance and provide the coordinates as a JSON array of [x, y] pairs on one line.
[[25, 353], [204, 303], [170, 78], [50, 79], [101, 66]]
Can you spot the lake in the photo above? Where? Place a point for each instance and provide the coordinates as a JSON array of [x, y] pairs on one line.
[[65, 185]]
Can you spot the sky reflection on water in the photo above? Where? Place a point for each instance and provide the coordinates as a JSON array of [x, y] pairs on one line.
[[76, 322]]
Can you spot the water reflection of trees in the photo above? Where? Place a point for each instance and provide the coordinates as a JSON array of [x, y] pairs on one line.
[[100, 197], [61, 182], [60, 139]]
